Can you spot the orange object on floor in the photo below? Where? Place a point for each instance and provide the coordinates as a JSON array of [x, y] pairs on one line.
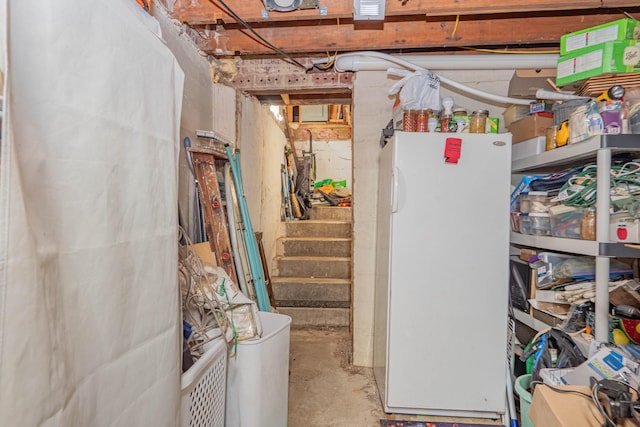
[[143, 4]]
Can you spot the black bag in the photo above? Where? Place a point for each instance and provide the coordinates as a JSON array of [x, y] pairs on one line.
[[552, 349]]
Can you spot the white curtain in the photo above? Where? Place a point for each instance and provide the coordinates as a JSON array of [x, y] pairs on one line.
[[89, 306]]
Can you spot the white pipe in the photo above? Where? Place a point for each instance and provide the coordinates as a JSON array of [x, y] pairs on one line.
[[485, 95], [364, 61], [558, 96], [410, 65], [603, 187]]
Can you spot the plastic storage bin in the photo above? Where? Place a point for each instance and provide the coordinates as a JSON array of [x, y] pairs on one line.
[[535, 202], [528, 148], [625, 229], [258, 377], [204, 389], [515, 221], [537, 224], [566, 224]]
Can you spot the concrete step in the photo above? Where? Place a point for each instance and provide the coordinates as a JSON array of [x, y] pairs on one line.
[[311, 292], [314, 246], [331, 212], [312, 266], [316, 317], [318, 228]]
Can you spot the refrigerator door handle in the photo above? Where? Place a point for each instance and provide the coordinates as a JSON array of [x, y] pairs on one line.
[[394, 190]]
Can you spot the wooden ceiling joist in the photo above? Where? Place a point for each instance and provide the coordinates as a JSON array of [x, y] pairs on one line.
[[208, 11], [417, 34]]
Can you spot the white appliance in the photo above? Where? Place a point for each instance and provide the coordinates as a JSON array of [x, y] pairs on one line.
[[440, 331]]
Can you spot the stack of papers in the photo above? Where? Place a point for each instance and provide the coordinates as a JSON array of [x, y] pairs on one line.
[[606, 363]]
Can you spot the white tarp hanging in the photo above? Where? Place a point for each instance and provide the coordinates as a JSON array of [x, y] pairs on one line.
[[89, 306]]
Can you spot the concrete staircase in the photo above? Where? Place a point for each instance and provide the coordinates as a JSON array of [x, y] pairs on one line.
[[312, 269]]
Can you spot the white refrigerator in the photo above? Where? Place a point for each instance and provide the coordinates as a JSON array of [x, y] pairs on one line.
[[441, 285]]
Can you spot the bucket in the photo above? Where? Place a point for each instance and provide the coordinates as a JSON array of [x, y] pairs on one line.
[[522, 384]]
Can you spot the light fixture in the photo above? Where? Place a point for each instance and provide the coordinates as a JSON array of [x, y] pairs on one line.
[[289, 5], [368, 10]]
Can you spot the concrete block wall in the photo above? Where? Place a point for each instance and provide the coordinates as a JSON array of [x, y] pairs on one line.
[[205, 105], [371, 112], [261, 142]]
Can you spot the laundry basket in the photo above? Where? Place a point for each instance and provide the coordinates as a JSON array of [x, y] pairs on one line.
[[204, 389]]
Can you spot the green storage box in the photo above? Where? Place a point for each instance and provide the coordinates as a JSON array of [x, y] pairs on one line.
[[622, 29], [610, 57]]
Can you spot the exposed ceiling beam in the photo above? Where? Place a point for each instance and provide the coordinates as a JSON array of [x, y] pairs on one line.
[[285, 98], [432, 33], [209, 11], [319, 98]]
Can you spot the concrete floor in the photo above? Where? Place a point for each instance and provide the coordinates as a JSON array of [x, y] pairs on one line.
[[326, 391]]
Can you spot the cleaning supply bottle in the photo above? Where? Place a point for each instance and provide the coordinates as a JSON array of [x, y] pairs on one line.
[[447, 124]]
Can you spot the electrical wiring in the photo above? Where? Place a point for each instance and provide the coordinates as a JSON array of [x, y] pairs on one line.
[[594, 394], [255, 33], [561, 390], [455, 27], [330, 62]]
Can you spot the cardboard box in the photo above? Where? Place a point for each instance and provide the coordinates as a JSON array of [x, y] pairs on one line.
[[525, 83], [515, 112], [530, 127], [626, 294], [203, 250], [493, 125], [550, 296], [527, 253], [545, 316], [622, 29], [610, 57], [550, 408]]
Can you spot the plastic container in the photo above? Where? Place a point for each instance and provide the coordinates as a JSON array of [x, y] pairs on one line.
[[625, 228], [566, 224], [258, 377], [528, 148], [588, 225], [561, 110], [535, 202], [523, 382], [550, 140], [203, 389], [561, 266], [535, 224], [515, 221]]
